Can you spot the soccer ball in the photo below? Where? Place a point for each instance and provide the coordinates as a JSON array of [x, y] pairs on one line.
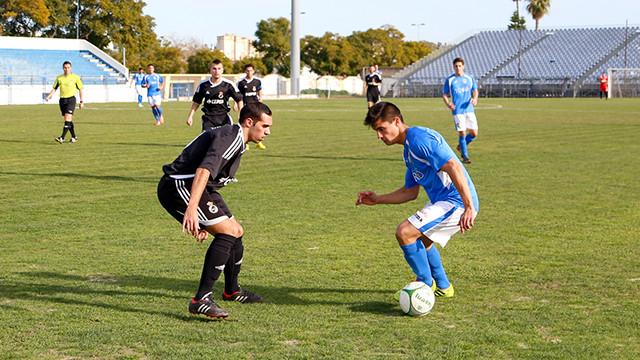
[[417, 299]]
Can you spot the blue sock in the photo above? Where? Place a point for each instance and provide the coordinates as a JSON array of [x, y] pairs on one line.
[[160, 112], [154, 110], [463, 147], [416, 257], [469, 138], [139, 99], [437, 270]]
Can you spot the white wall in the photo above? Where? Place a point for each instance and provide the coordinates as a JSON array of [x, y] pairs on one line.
[[33, 94]]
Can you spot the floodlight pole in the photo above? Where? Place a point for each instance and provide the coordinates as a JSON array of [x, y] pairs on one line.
[[78, 19], [295, 48], [418, 27]]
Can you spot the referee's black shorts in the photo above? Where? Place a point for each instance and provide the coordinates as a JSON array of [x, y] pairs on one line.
[[209, 121], [174, 195], [373, 96], [67, 105]]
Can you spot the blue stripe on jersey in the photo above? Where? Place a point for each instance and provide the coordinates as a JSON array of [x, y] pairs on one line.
[[428, 226]]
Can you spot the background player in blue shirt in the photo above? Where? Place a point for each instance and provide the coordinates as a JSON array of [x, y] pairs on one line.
[[463, 91], [154, 84], [137, 80], [453, 202]]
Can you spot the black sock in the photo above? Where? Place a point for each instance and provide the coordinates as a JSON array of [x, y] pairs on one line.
[[72, 129], [214, 262], [65, 128], [232, 269]]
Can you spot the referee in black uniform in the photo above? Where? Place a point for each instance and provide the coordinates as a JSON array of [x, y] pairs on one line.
[[189, 192], [372, 81], [215, 93]]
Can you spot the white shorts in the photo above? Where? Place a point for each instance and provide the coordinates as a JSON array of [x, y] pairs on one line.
[[465, 121], [438, 221], [141, 91], [155, 100]]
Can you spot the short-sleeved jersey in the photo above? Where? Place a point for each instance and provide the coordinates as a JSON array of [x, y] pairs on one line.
[[216, 96], [372, 80], [154, 81], [69, 85], [138, 78], [425, 153], [604, 82], [460, 89], [216, 149], [250, 90]]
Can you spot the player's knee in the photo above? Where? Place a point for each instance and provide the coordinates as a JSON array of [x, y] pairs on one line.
[[405, 233]]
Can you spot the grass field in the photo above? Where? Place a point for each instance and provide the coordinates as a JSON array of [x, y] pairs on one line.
[[91, 266]]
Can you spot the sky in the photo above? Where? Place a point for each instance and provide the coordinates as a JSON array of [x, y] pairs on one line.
[[431, 20]]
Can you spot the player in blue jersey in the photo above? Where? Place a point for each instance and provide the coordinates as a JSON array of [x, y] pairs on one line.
[[453, 202], [154, 84], [137, 80], [463, 91]]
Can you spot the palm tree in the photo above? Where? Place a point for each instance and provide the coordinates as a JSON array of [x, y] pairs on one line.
[[538, 9]]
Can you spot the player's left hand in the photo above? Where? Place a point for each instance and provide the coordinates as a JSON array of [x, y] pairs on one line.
[[474, 102], [366, 198], [467, 219], [81, 105], [202, 236]]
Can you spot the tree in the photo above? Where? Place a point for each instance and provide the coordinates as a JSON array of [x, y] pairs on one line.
[[273, 36], [517, 22], [23, 17], [330, 54], [258, 65], [199, 62], [538, 9]]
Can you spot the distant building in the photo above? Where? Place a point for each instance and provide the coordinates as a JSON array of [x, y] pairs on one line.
[[235, 47]]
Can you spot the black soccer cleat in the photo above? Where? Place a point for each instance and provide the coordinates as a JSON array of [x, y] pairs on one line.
[[242, 296], [466, 161], [59, 139], [207, 307]]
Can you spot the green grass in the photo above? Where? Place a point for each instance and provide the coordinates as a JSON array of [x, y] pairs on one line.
[[91, 266]]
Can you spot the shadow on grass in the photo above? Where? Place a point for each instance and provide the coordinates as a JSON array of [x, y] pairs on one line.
[[86, 176], [321, 157], [147, 144], [41, 142], [103, 291]]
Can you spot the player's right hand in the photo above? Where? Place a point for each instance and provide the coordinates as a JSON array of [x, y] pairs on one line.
[[189, 121], [366, 198], [190, 224]]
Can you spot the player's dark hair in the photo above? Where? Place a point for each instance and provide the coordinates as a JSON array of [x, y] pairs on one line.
[[215, 62], [66, 62], [248, 66], [458, 60], [253, 111], [140, 68], [382, 110], [150, 65]]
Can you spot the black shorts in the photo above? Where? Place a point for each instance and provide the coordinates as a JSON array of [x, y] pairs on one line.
[[174, 195], [373, 96], [67, 105], [209, 121]]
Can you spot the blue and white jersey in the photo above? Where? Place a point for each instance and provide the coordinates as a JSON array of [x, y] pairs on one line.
[[459, 88], [138, 78], [425, 153], [154, 81]]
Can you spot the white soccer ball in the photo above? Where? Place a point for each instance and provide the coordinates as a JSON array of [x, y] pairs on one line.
[[417, 299]]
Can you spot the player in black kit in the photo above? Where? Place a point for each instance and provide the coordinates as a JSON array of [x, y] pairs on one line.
[[189, 192], [251, 89], [215, 93], [372, 81]]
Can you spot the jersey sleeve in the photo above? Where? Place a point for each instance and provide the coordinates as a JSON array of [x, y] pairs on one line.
[[259, 86], [234, 93], [198, 95], [409, 181], [160, 80], [213, 160], [144, 80], [445, 88], [474, 84], [56, 84], [377, 78], [79, 83]]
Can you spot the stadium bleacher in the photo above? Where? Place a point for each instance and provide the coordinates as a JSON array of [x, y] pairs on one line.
[[33, 67], [528, 62]]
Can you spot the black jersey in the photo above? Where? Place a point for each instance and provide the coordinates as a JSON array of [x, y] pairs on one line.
[[373, 80], [250, 90], [216, 149], [216, 97]]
